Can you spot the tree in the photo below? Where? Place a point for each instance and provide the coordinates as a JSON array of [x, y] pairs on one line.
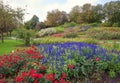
[[40, 25], [9, 19], [112, 12], [75, 14], [87, 13], [31, 24], [56, 17], [92, 13], [26, 35]]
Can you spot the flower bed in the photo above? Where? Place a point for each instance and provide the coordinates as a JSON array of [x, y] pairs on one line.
[[60, 63]]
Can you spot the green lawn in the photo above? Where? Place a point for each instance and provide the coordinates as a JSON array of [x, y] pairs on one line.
[[9, 45]]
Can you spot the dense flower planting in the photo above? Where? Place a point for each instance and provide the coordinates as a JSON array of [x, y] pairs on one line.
[[80, 60], [59, 63]]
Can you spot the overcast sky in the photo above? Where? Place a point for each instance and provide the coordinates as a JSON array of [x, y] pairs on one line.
[[41, 7]]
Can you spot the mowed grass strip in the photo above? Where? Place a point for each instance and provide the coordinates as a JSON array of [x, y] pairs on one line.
[[9, 45]]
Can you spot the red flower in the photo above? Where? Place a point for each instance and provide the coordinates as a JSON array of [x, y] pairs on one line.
[[64, 75], [35, 56], [70, 66], [43, 68], [97, 59], [62, 80], [36, 81], [56, 81], [33, 47], [18, 79], [39, 76], [30, 51], [50, 77], [32, 73], [34, 76], [41, 56], [24, 74]]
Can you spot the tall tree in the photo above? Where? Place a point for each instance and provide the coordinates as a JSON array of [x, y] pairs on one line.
[[31, 24], [56, 17], [75, 13], [112, 12], [9, 19]]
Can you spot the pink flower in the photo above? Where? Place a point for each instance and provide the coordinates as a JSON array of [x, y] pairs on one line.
[[97, 59]]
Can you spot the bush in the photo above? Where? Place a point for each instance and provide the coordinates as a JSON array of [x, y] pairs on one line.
[[59, 29], [94, 24], [50, 40], [106, 24], [46, 32], [71, 62], [115, 25], [90, 25], [71, 35], [104, 33], [67, 25], [26, 35]]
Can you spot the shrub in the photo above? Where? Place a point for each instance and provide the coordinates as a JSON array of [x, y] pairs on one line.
[[59, 29], [67, 25], [71, 35], [47, 31], [50, 40], [94, 24], [71, 62], [104, 33], [115, 25], [106, 24], [80, 60], [26, 35]]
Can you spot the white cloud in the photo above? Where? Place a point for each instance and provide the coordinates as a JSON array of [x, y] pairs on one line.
[[38, 8]]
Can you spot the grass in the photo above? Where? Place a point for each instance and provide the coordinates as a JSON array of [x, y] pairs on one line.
[[9, 45]]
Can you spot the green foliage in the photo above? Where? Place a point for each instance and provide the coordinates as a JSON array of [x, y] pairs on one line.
[[112, 74], [50, 40], [116, 25], [26, 35], [104, 33], [71, 35], [67, 25], [32, 23], [87, 13], [59, 29], [106, 24], [111, 10], [94, 24], [9, 19], [56, 17], [40, 25], [115, 45]]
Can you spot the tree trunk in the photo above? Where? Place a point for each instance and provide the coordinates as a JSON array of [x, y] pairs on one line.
[[7, 33], [2, 37], [10, 33]]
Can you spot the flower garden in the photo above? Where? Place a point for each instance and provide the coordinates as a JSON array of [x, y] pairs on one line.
[[71, 62]]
